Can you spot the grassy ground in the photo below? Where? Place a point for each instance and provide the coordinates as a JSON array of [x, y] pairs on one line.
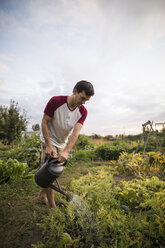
[[20, 211]]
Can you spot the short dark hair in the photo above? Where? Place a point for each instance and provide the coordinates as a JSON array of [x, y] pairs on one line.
[[84, 86]]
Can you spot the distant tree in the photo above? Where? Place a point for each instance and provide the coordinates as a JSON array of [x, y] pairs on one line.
[[96, 136], [36, 127], [3, 120], [12, 123], [121, 136], [108, 137]]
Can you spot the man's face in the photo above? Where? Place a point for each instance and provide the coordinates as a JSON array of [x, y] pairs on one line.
[[81, 98]]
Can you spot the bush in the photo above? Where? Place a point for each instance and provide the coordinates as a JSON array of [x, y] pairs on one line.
[[11, 169], [109, 152], [84, 155], [29, 152], [83, 142], [141, 164]]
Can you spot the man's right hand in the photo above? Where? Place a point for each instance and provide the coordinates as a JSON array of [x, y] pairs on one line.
[[50, 151]]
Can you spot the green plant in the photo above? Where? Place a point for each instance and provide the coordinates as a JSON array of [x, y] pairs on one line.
[[28, 152], [109, 152], [11, 169], [68, 227], [84, 155], [140, 164], [142, 225], [84, 142]]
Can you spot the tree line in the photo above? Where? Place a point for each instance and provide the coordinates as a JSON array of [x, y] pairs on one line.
[[13, 121]]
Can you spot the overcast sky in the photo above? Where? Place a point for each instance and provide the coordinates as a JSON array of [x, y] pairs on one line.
[[46, 46]]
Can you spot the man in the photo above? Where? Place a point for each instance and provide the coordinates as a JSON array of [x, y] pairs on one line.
[[61, 124]]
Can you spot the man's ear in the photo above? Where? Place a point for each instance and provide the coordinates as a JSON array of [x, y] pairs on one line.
[[74, 91]]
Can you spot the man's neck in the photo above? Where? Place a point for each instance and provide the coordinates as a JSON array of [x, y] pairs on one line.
[[71, 102]]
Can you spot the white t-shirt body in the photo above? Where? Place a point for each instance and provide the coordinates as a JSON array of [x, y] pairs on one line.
[[63, 120]]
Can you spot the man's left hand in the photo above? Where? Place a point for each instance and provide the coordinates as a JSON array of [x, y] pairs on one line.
[[63, 156]]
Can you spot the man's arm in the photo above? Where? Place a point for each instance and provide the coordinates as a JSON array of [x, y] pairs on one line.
[[45, 131], [73, 138]]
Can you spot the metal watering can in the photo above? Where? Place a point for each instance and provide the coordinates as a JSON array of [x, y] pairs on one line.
[[48, 173]]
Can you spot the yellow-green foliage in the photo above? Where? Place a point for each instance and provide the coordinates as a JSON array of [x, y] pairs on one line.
[[129, 214], [140, 164]]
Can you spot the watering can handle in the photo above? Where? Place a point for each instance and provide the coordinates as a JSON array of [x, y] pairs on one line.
[[56, 160], [64, 163]]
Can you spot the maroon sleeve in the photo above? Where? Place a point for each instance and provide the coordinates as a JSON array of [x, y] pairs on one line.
[[53, 104], [49, 109], [84, 113]]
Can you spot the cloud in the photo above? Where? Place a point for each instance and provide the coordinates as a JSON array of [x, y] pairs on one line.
[[7, 57], [46, 85], [3, 68], [63, 13], [2, 83], [47, 46]]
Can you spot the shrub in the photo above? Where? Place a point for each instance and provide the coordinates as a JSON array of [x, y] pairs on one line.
[[11, 169], [141, 164], [84, 142], [109, 152], [84, 155], [28, 152]]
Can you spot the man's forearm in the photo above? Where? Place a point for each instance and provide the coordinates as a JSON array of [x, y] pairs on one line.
[[73, 138], [72, 142], [45, 132]]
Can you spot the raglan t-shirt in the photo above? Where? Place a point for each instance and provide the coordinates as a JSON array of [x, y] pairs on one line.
[[63, 120]]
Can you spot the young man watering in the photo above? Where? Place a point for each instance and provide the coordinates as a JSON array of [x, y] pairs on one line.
[[61, 124]]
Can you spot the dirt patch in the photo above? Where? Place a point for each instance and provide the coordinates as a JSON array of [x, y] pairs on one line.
[[119, 178], [34, 237], [19, 213]]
